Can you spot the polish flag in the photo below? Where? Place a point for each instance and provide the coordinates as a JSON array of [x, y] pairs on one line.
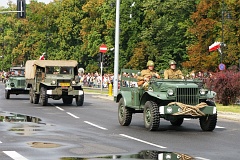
[[42, 57], [214, 46]]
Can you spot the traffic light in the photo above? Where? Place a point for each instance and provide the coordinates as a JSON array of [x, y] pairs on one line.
[[106, 60], [100, 59], [21, 8]]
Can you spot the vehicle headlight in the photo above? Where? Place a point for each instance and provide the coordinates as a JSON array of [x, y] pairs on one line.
[[53, 82], [170, 92], [203, 91], [12, 84], [73, 82]]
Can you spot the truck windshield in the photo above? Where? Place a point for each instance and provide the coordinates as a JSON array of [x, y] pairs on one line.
[[59, 70]]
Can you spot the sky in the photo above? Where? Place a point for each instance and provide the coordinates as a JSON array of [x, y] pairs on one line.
[[3, 3]]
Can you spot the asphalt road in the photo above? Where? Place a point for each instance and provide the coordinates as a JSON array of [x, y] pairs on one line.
[[93, 130]]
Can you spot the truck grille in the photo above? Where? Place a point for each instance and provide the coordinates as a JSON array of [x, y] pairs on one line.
[[187, 96], [21, 83]]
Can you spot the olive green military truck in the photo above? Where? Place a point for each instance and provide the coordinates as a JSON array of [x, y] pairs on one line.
[[15, 82], [56, 79], [169, 99]]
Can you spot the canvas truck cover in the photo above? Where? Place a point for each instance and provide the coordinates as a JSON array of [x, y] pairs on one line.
[[31, 65]]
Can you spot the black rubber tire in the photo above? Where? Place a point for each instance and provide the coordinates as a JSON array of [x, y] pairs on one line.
[[209, 122], [35, 98], [7, 94], [43, 96], [124, 114], [151, 116], [67, 100], [177, 122], [31, 95], [79, 100]]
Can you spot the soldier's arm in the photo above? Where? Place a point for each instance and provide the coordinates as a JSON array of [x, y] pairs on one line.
[[141, 77]]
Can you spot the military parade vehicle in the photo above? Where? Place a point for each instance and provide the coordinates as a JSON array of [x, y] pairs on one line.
[[169, 99], [15, 83], [56, 79]]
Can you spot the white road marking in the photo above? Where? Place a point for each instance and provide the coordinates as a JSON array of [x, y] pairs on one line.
[[72, 115], [219, 127], [59, 108], [14, 155], [139, 140], [202, 158], [0, 142], [95, 125]]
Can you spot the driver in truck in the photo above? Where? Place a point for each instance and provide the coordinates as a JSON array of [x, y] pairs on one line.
[[147, 74]]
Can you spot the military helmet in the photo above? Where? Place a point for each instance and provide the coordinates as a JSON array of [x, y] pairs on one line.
[[150, 63], [172, 62]]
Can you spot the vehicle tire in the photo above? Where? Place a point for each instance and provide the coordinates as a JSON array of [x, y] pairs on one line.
[[7, 94], [151, 116], [177, 122], [79, 100], [67, 100], [31, 95], [43, 96], [35, 98], [124, 113], [209, 122]]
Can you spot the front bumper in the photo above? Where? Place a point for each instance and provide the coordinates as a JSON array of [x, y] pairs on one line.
[[176, 110], [69, 91], [17, 90]]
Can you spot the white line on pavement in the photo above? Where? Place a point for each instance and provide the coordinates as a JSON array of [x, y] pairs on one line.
[[96, 125], [59, 108], [219, 127], [139, 140], [14, 155], [201, 158], [72, 115], [0, 142]]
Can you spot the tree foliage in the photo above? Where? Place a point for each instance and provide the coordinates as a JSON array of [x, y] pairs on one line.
[[149, 30]]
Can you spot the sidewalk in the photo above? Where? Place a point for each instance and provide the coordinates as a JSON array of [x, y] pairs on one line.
[[224, 115], [229, 115]]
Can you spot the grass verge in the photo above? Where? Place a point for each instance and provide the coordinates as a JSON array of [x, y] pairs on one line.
[[230, 108]]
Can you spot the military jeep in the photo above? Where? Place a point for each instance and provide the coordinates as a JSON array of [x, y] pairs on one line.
[[56, 79], [15, 83], [170, 99]]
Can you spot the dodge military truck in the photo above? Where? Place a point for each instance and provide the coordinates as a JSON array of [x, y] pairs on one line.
[[15, 83], [169, 99], [56, 79]]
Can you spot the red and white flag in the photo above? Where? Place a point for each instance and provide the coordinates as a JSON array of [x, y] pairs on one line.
[[42, 57], [214, 46]]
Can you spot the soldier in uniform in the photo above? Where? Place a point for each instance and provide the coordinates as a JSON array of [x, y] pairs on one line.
[[173, 72], [147, 74]]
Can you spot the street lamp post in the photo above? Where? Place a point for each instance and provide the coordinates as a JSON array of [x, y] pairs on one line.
[[222, 30]]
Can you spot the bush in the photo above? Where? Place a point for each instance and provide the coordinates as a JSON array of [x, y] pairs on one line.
[[227, 86]]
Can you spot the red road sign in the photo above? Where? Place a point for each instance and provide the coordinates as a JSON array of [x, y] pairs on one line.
[[103, 48]]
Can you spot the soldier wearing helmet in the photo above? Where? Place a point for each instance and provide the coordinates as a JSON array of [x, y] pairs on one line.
[[147, 74], [173, 72]]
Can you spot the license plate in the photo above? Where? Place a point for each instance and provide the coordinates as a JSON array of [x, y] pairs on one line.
[[64, 84]]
